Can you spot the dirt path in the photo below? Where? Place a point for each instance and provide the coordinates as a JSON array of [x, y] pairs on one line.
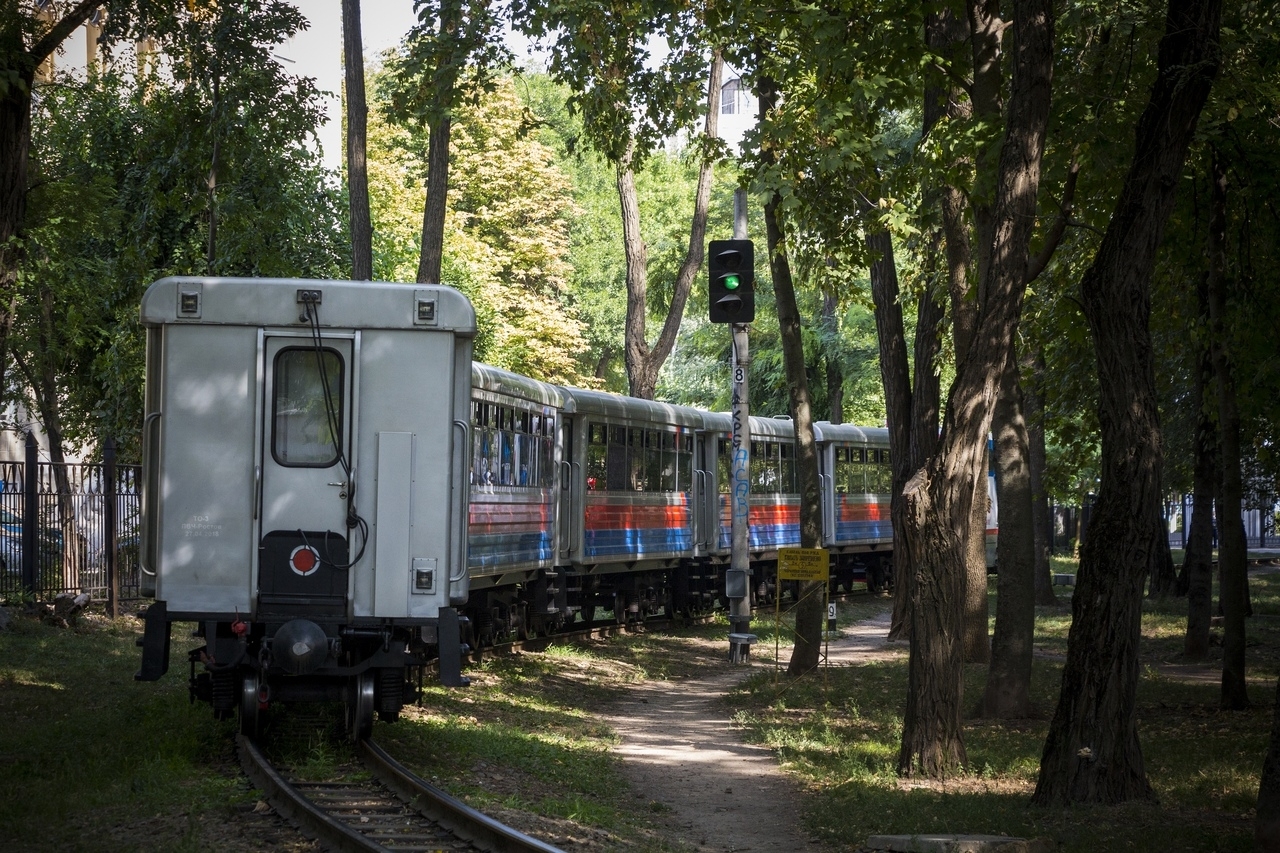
[[681, 753]]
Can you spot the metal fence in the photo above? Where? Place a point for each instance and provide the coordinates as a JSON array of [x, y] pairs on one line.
[[69, 528]]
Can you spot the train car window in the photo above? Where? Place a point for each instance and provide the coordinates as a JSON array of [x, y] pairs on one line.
[[302, 430], [597, 464], [787, 468], [653, 461], [618, 466], [722, 462], [546, 449], [680, 459], [635, 458], [506, 453]]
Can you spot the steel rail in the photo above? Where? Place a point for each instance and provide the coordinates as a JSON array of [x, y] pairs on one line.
[[453, 814]]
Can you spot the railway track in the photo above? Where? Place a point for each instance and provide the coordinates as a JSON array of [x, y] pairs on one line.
[[394, 810]]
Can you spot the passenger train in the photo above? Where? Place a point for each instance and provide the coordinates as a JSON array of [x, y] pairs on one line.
[[337, 496]]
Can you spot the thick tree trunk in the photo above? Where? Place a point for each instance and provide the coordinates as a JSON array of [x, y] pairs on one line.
[[1092, 752], [1008, 692], [939, 497], [357, 118], [432, 255], [1041, 521], [1232, 556], [644, 362], [1266, 827], [1197, 561], [895, 378]]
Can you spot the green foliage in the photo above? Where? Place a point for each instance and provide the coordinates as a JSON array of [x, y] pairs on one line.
[[635, 71], [451, 58], [507, 227], [120, 196]]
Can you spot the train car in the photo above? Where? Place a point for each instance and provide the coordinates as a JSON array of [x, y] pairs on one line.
[[857, 482], [512, 534], [627, 509], [306, 488]]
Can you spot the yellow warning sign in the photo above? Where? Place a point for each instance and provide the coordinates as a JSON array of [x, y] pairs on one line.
[[803, 564]]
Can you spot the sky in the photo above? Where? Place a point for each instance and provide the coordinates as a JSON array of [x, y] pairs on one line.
[[317, 52]]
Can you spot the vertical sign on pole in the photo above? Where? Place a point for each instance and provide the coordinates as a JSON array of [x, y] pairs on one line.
[[738, 578]]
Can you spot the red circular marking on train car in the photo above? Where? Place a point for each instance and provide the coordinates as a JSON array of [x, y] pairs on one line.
[[304, 560]]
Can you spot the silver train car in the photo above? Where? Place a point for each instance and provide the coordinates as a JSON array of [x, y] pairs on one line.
[[584, 502], [306, 488]]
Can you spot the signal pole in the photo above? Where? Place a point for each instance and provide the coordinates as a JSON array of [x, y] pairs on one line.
[[738, 578]]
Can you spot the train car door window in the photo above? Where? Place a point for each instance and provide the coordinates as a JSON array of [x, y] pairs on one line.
[[307, 417]]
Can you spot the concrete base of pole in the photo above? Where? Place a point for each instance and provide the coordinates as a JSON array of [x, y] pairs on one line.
[[740, 647]]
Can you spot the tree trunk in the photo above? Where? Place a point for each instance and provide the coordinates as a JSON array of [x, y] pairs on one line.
[[1008, 692], [810, 610], [834, 372], [939, 497], [357, 171], [644, 362], [1197, 561], [1232, 556], [433, 210], [895, 378], [1266, 827], [1041, 521], [1092, 752]]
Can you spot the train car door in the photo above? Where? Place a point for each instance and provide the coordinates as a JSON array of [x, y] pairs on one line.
[[305, 466]]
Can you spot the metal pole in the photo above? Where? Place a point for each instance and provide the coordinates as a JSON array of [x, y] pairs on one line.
[[738, 580], [30, 514], [109, 538]]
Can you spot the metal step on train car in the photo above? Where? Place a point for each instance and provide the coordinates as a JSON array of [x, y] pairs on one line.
[[306, 488]]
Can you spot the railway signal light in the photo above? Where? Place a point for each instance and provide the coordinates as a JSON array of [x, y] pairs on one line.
[[731, 274]]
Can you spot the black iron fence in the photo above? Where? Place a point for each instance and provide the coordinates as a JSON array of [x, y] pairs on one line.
[[69, 528]]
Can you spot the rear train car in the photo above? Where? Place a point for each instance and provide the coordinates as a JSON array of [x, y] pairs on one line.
[[306, 488]]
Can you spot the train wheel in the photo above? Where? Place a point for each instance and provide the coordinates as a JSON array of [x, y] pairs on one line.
[[360, 707], [588, 612], [250, 705]]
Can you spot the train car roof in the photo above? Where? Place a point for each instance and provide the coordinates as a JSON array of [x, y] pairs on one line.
[[489, 378], [210, 300], [760, 427], [585, 401], [851, 433]]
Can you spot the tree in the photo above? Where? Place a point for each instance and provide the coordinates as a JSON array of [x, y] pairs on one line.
[[507, 222], [1092, 752], [357, 118], [939, 496], [29, 34], [629, 106], [451, 57]]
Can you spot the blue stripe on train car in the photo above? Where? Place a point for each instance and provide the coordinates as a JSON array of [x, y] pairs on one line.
[[508, 549], [640, 542], [851, 531]]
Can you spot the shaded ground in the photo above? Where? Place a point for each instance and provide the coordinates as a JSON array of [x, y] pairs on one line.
[[682, 753]]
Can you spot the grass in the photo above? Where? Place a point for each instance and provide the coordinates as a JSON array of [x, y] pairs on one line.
[[842, 741], [105, 763]]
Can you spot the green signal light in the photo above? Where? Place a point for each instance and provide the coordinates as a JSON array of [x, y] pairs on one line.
[[731, 282]]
